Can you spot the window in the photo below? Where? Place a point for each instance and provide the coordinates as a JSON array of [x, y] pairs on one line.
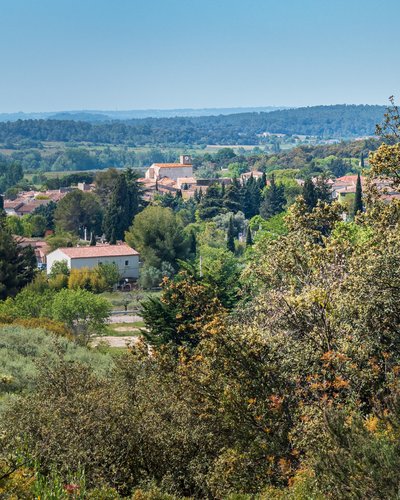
[[127, 262]]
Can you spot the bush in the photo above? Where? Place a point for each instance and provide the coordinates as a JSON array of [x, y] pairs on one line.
[[46, 324], [59, 267], [82, 312], [97, 280], [150, 277], [58, 282], [79, 278], [22, 347]]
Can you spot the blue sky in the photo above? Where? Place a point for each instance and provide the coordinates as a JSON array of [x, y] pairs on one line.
[[138, 54]]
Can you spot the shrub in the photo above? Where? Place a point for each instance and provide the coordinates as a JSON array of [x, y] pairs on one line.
[[79, 278], [22, 347], [46, 324], [59, 267]]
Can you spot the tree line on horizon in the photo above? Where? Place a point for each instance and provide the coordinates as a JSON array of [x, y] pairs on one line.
[[337, 121]]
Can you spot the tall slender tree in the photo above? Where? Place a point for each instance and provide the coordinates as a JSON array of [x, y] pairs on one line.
[[249, 238], [125, 203], [358, 204], [230, 243], [262, 181], [251, 198]]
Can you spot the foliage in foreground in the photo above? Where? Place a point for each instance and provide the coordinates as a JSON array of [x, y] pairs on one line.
[[293, 394]]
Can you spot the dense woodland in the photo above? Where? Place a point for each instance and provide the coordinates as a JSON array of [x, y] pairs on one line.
[[269, 362], [341, 121]]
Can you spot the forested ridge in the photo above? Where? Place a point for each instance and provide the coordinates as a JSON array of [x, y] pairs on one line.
[[338, 121]]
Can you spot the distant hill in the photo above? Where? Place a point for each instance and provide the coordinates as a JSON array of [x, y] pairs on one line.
[[92, 116], [337, 121]]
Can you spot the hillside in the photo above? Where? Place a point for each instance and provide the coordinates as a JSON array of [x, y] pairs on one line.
[[338, 121]]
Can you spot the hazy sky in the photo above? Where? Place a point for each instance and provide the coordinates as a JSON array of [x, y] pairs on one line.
[[136, 54]]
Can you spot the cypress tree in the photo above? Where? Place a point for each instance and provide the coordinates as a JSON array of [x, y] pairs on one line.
[[230, 244], [249, 239], [116, 217], [125, 202], [92, 240], [192, 243], [358, 204], [362, 160], [251, 198], [113, 239], [274, 200], [262, 181], [3, 214], [309, 194]]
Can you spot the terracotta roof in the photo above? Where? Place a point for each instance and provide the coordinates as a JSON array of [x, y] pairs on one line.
[[349, 178], [187, 180], [166, 181], [99, 251], [13, 204], [171, 165], [27, 208]]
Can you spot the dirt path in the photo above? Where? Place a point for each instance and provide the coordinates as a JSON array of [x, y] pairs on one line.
[[124, 318], [115, 341]]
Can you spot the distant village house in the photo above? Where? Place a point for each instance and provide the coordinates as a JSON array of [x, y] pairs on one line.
[[125, 258], [173, 171]]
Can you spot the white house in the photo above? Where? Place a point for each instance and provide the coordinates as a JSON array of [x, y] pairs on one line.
[[125, 257], [171, 170]]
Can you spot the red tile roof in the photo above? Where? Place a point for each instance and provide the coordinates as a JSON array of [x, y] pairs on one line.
[[171, 165], [99, 251]]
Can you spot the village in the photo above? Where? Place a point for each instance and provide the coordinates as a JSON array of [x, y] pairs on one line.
[[160, 179]]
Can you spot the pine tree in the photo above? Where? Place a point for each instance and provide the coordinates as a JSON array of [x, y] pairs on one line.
[[211, 203], [358, 204], [17, 265], [231, 199], [249, 238], [274, 200], [230, 244], [309, 194]]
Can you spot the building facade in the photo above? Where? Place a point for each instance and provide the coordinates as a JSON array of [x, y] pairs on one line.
[[171, 170], [123, 256]]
